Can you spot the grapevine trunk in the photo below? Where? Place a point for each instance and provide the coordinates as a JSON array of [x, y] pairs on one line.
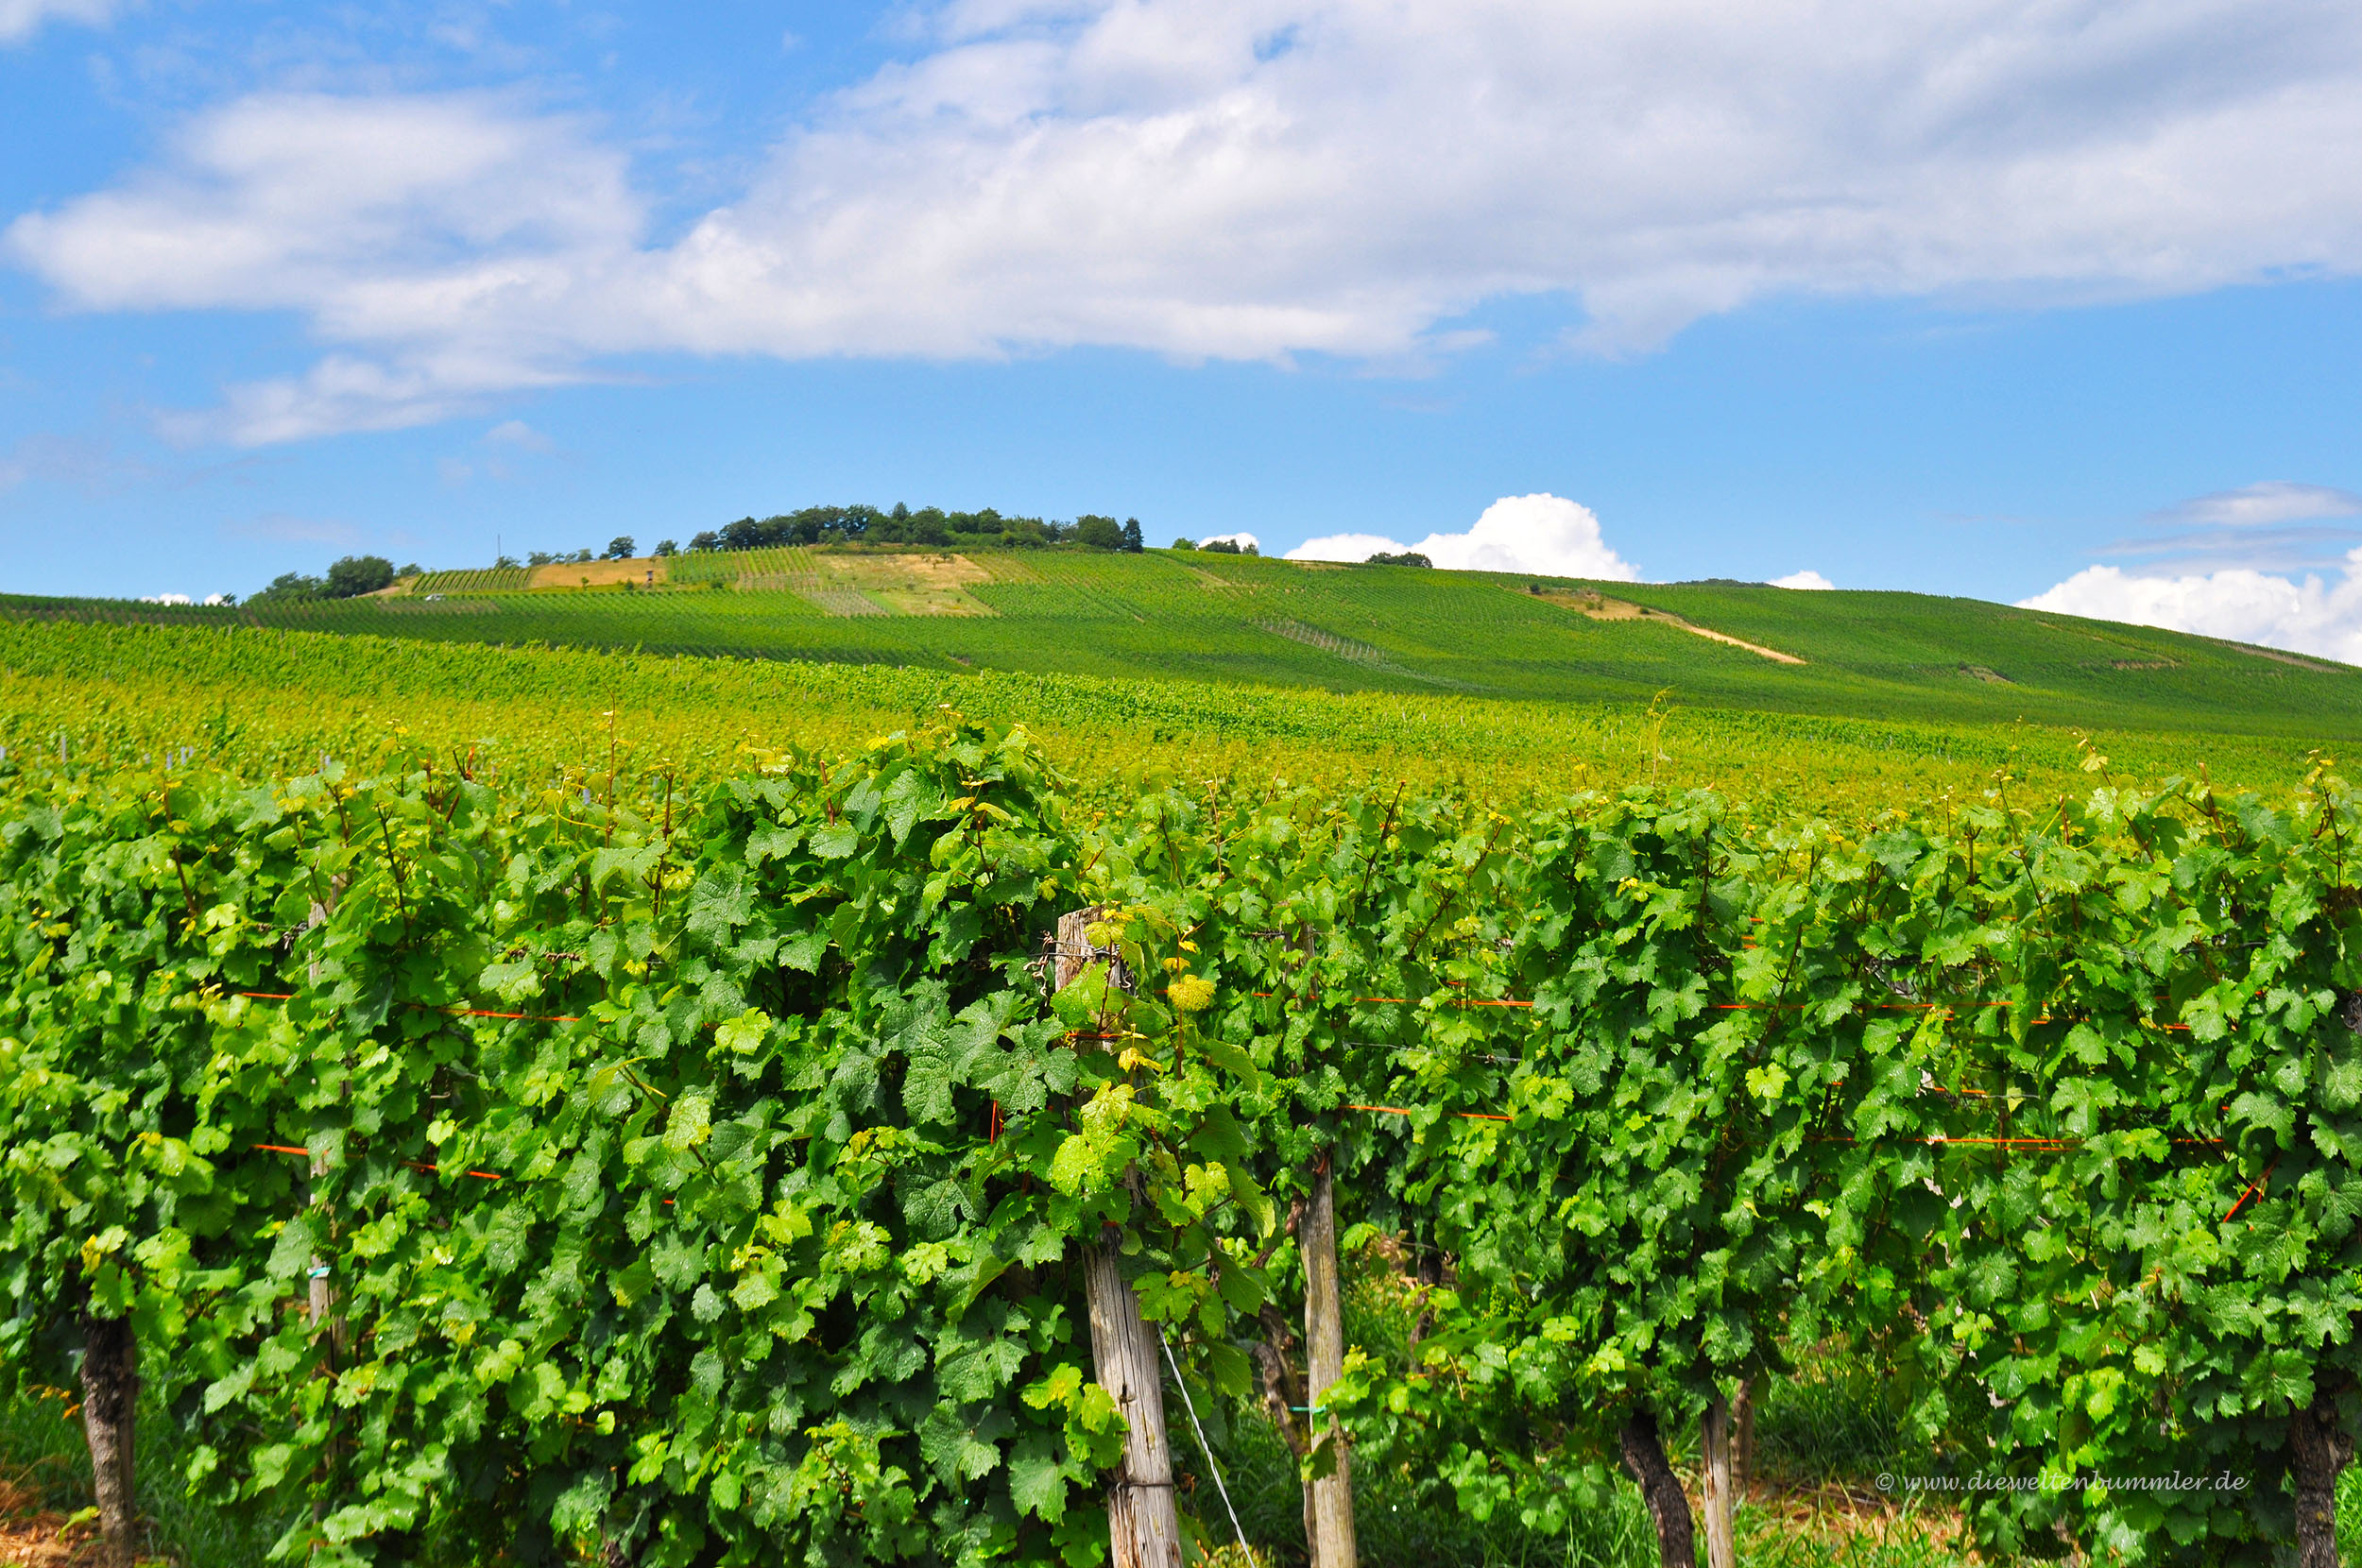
[[110, 1402], [2319, 1452], [1660, 1490]]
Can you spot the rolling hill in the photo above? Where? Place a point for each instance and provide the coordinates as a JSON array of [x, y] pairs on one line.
[[1273, 624]]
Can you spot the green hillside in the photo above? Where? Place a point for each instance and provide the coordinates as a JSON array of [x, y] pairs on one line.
[[1290, 624], [1278, 623]]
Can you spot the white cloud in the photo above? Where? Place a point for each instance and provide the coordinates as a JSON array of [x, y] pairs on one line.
[[21, 18], [461, 245], [1345, 547], [2311, 614], [166, 599], [2264, 505], [1153, 174], [1244, 541], [515, 433], [1541, 533], [1806, 579]]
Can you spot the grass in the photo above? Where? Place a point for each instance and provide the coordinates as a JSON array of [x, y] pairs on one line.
[[1821, 1438], [43, 1451]]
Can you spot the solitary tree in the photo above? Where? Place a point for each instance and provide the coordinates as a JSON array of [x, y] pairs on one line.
[[620, 548], [666, 547], [1132, 541], [358, 574]]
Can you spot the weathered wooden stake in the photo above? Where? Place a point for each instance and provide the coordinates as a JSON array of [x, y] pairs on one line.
[[1743, 1437], [320, 1292], [111, 1398], [1722, 1544], [1331, 1502], [1144, 1524]]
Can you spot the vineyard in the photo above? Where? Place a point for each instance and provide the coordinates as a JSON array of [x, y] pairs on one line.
[[818, 1161], [244, 697], [484, 580], [1232, 620], [636, 1108]]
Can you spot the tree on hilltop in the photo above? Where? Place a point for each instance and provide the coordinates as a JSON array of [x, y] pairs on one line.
[[357, 575]]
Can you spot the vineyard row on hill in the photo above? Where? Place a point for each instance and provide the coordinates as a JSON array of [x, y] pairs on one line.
[[720, 1177]]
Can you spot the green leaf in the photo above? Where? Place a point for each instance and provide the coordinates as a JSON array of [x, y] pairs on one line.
[[745, 1033], [1038, 1480]]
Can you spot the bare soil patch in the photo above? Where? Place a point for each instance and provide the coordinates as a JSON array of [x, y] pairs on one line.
[[1598, 607], [32, 1536], [575, 574]]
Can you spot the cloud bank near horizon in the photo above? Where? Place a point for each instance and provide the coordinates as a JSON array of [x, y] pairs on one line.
[[2314, 614], [1542, 534], [2312, 608], [1247, 180]]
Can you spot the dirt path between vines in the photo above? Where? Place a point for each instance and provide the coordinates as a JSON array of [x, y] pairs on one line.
[[1598, 607]]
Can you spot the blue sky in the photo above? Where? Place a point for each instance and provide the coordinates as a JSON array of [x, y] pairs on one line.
[[2005, 298]]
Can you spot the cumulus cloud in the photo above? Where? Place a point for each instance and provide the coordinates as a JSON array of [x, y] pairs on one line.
[[2314, 614], [1345, 547], [1806, 579], [21, 18], [1163, 175], [1244, 541], [1546, 534], [461, 244]]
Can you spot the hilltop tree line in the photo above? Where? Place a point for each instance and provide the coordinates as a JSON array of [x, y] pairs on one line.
[[356, 576], [348, 578], [927, 525]]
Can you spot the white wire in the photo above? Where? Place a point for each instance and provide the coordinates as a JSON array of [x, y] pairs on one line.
[[1204, 1447]]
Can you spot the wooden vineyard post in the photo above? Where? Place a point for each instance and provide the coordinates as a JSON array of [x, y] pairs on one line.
[[320, 1292], [1722, 1544], [111, 1396], [1331, 1511], [1144, 1524], [1742, 1438]]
